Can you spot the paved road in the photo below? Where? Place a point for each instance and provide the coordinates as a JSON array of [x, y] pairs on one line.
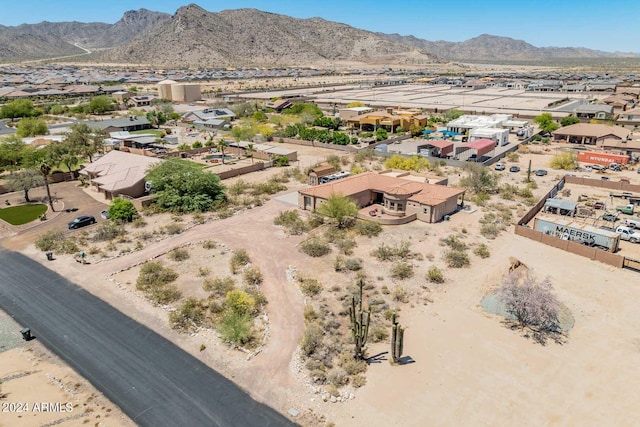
[[152, 380]]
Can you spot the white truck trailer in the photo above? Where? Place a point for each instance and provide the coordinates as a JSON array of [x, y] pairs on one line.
[[567, 229]]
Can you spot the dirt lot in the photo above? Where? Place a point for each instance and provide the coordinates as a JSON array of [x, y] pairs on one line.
[[469, 369]]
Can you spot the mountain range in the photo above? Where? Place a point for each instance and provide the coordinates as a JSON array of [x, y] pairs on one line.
[[249, 37]]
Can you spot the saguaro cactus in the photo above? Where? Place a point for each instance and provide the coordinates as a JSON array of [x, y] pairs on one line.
[[397, 340], [359, 323]]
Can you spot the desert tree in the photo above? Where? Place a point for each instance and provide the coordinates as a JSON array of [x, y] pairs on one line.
[[24, 180], [222, 145], [479, 179], [45, 170], [532, 305], [340, 208], [85, 140]]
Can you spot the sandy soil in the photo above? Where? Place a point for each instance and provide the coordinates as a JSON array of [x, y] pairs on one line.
[[469, 369], [37, 389]]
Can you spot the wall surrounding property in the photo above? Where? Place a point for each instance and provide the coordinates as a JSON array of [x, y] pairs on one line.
[[599, 183], [241, 171], [346, 148]]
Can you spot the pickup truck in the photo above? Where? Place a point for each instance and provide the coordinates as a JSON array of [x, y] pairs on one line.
[[626, 209], [629, 234], [631, 222]]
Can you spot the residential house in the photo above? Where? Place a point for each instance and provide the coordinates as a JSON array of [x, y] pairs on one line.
[[629, 118], [207, 114], [129, 124], [590, 134]]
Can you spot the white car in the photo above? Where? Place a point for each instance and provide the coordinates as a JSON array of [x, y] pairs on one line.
[[629, 234], [500, 166]]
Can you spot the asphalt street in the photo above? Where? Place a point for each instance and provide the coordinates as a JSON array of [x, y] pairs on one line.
[[151, 379]]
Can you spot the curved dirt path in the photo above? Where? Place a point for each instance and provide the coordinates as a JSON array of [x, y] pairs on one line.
[[252, 230]]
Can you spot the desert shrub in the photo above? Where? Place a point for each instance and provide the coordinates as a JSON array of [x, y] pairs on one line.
[[401, 271], [346, 245], [338, 377], [400, 294], [383, 253], [209, 244], [315, 220], [219, 286], [173, 228], [490, 231], [156, 282], [252, 276], [457, 258], [564, 161], [312, 338], [482, 251], [49, 240], [139, 222], [434, 275], [315, 247], [379, 334], [309, 287], [239, 259], [239, 302], [334, 234], [178, 254], [353, 264], [188, 316], [67, 246], [368, 228], [292, 222], [236, 327], [203, 271], [513, 157], [338, 264], [358, 381], [108, 230], [350, 365], [309, 313], [454, 243], [532, 305]]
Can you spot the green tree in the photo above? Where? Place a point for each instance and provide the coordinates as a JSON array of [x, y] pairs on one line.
[[416, 130], [545, 122], [86, 141], [250, 150], [182, 187], [260, 116], [100, 105], [122, 210], [18, 108], [12, 150], [565, 161], [340, 208], [243, 133], [569, 120], [63, 154], [157, 118], [24, 180], [479, 179], [452, 114], [381, 134], [31, 126]]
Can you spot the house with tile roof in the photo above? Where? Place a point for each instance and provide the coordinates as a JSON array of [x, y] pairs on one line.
[[388, 199], [591, 134], [119, 173]]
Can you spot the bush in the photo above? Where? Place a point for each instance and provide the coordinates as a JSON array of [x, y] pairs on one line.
[[400, 294], [346, 245], [353, 264], [309, 287], [457, 259], [359, 381], [379, 334], [368, 228], [532, 305], [315, 247], [434, 275], [209, 244], [108, 230], [253, 277], [482, 251], [338, 377], [173, 228], [122, 210], [219, 286], [178, 254], [401, 271], [238, 260], [139, 222], [292, 222], [309, 313], [49, 240], [350, 365], [454, 243], [312, 338], [239, 302], [188, 316], [236, 328], [564, 161], [156, 282]]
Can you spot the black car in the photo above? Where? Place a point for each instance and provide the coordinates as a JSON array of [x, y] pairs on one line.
[[81, 221], [514, 169], [541, 172]]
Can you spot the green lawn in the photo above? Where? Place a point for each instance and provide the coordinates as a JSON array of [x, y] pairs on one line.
[[18, 215]]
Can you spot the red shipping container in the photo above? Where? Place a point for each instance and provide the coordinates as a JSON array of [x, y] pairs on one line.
[[604, 159]]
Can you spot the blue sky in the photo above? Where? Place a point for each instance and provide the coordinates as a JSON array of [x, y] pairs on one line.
[[605, 25]]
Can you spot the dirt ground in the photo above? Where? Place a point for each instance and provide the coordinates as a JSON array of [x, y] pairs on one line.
[[469, 369], [33, 381]]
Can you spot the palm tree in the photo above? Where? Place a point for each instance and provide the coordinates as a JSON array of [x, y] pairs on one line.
[[45, 170], [250, 149], [221, 145]]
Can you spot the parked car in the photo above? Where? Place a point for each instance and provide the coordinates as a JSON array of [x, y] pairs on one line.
[[612, 217], [541, 172], [514, 169], [81, 221], [598, 167], [500, 166], [615, 167], [598, 205], [104, 214]]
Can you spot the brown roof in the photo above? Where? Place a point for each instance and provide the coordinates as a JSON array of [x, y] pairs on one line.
[[118, 170], [427, 194], [323, 169], [593, 130]]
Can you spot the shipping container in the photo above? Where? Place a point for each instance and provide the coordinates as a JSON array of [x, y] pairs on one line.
[[567, 229], [604, 159]]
